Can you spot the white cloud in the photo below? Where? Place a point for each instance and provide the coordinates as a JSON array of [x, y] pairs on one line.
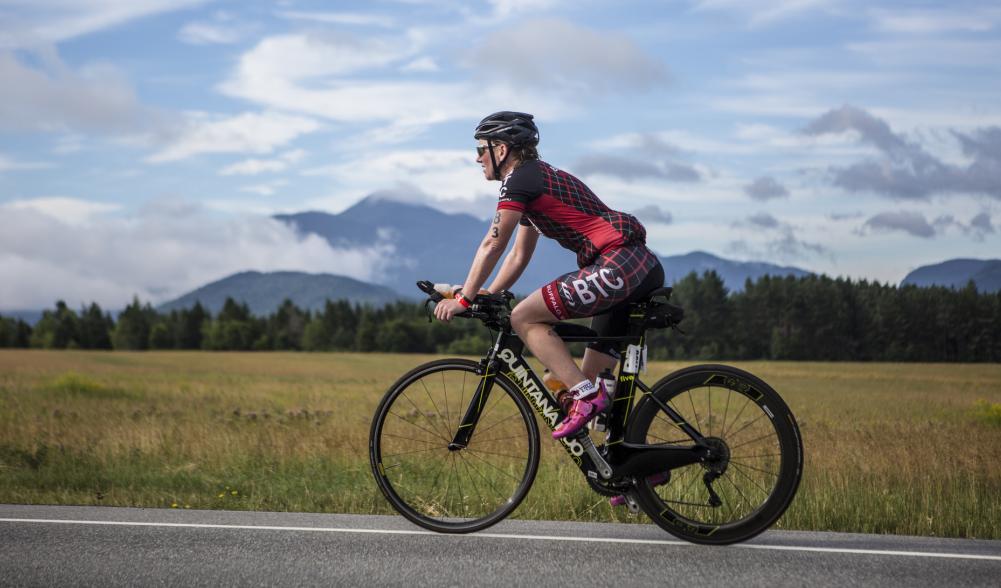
[[162, 253], [73, 211], [249, 132], [41, 22], [445, 174], [766, 12], [936, 21], [339, 18], [54, 97], [253, 167], [555, 55], [204, 33], [8, 164]]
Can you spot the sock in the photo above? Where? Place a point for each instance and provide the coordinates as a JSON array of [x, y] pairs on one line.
[[583, 390]]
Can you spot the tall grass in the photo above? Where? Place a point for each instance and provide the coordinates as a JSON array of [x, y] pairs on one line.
[[890, 448]]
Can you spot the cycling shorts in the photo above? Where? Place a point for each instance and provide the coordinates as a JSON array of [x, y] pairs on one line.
[[616, 277]]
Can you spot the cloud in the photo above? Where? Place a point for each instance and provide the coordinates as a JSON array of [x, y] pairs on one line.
[[339, 18], [253, 167], [8, 164], [962, 19], [912, 223], [337, 77], [765, 12], [777, 239], [640, 164], [653, 214], [917, 225], [72, 211], [53, 97], [249, 132], [561, 57], [42, 22], [222, 31], [906, 170], [765, 188], [159, 254]]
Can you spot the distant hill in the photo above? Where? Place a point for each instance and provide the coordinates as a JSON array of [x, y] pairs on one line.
[[956, 273], [432, 245], [264, 292], [733, 273]]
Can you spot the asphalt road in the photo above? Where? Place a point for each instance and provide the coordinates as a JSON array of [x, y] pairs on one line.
[[95, 546]]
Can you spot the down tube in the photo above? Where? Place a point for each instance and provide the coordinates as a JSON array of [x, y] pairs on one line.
[[516, 369]]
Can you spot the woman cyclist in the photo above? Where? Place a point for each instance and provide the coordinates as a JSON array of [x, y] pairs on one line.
[[615, 266]]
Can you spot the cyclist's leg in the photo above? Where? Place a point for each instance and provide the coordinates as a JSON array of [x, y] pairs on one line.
[[533, 321]]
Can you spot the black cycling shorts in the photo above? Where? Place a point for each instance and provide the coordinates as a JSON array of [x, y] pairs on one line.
[[617, 276]]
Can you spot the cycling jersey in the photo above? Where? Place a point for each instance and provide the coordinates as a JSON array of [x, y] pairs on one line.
[[561, 207]]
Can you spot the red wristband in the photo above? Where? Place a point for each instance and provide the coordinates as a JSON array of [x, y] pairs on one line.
[[462, 300]]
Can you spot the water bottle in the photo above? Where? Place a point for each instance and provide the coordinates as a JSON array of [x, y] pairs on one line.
[[559, 390], [600, 422]]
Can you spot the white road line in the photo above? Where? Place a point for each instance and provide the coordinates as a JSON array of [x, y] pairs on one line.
[[510, 536]]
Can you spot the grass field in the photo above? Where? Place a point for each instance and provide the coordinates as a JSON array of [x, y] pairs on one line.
[[890, 448]]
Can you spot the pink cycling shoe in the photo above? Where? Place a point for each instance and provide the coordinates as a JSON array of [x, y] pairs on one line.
[[655, 480], [581, 412]]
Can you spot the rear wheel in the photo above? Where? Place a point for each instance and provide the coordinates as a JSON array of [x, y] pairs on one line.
[[461, 490], [757, 455]]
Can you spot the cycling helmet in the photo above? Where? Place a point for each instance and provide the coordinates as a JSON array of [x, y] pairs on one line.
[[513, 128]]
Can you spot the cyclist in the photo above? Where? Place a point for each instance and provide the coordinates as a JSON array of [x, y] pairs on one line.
[[615, 266]]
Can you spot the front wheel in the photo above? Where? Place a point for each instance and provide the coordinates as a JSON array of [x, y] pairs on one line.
[[757, 455], [453, 490]]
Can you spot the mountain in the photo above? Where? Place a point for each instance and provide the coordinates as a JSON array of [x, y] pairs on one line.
[[426, 244], [733, 273], [432, 245], [956, 273], [265, 292]]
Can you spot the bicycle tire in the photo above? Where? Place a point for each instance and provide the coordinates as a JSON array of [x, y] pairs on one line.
[[453, 491], [760, 446]]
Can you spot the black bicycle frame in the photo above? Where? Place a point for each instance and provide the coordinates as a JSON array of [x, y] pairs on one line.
[[625, 459]]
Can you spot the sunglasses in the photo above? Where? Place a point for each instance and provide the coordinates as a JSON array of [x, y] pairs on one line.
[[481, 149]]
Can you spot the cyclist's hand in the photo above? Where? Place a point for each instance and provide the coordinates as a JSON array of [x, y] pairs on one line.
[[446, 309]]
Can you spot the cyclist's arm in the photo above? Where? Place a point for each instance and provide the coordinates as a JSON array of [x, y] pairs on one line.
[[517, 259], [491, 249]]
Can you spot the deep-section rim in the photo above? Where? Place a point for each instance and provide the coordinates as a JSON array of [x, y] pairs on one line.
[[790, 470], [386, 486]]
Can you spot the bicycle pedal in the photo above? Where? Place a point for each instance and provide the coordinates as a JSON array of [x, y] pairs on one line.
[[632, 505]]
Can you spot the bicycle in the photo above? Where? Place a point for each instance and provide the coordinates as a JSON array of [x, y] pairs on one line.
[[710, 453]]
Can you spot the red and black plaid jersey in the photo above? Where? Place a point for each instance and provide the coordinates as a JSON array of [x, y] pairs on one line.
[[561, 207]]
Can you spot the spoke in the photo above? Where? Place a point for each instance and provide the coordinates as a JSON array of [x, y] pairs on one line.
[[421, 412], [415, 425], [444, 390], [739, 414], [473, 454], [726, 409], [412, 452], [750, 467], [746, 500], [473, 467], [433, 403], [735, 433], [765, 436], [691, 401], [491, 440], [709, 404], [749, 479], [492, 453], [511, 416], [436, 444]]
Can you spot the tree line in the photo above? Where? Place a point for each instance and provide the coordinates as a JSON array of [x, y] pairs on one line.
[[809, 318]]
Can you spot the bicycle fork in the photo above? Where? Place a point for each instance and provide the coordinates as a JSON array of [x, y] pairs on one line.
[[475, 408]]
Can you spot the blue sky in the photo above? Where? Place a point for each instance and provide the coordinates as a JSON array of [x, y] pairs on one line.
[[144, 143]]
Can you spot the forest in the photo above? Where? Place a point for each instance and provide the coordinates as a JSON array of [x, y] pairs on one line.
[[779, 318]]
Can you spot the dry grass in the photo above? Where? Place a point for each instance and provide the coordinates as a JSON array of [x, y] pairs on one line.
[[890, 448]]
